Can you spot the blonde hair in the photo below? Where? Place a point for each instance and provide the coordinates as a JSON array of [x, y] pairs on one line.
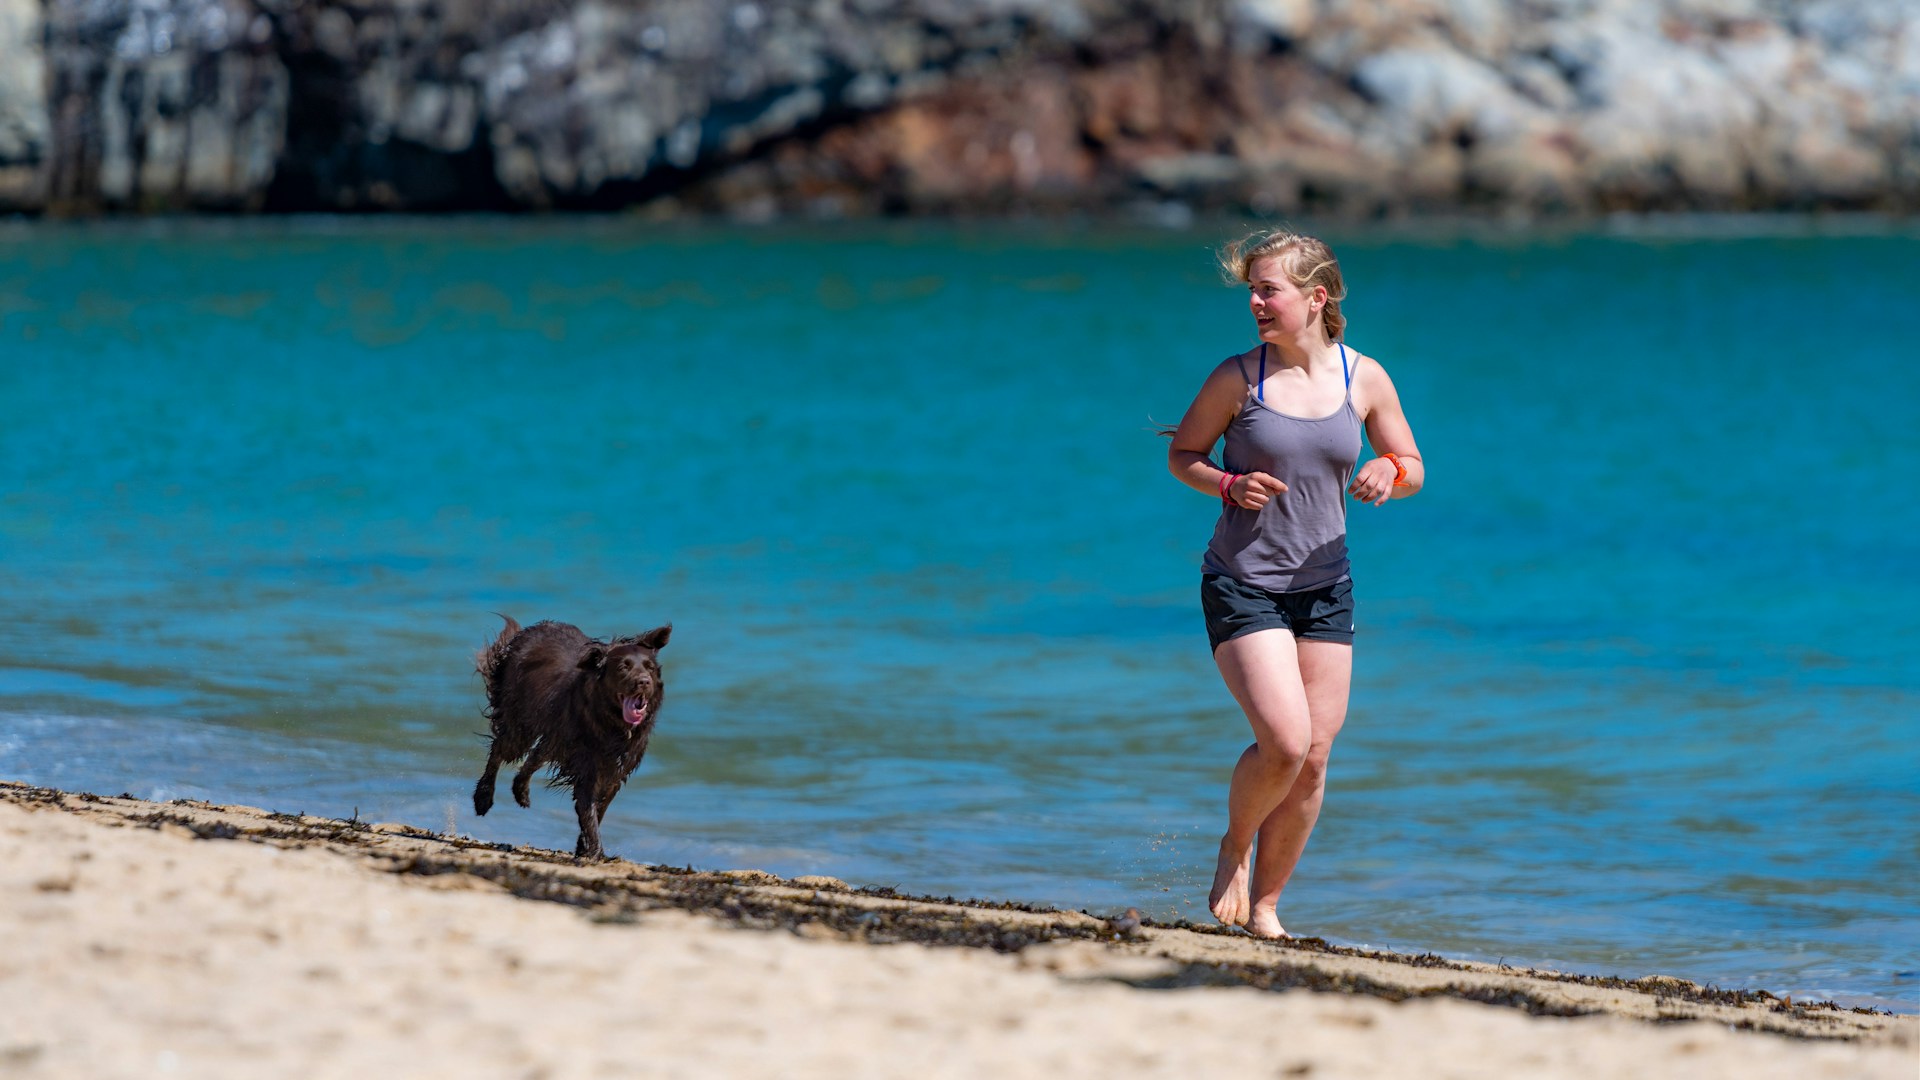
[[1305, 260]]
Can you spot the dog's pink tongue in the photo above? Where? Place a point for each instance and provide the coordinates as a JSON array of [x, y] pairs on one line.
[[634, 709]]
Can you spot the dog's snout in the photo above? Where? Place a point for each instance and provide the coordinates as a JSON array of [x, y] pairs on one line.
[[636, 670]]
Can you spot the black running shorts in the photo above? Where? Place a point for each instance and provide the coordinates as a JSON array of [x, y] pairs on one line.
[[1234, 608]]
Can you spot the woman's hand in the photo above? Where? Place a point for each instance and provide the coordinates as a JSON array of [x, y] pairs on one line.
[[1373, 483], [1252, 490]]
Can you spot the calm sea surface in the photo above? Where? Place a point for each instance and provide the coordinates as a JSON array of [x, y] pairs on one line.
[[1635, 688]]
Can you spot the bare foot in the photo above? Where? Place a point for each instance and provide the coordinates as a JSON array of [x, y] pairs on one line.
[[1229, 900], [1265, 923]]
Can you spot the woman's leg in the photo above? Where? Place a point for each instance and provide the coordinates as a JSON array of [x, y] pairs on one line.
[[1326, 674], [1262, 669]]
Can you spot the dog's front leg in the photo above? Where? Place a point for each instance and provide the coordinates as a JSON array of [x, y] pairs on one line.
[[483, 791], [588, 846]]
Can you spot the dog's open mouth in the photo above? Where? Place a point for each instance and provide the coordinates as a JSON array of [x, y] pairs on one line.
[[633, 710]]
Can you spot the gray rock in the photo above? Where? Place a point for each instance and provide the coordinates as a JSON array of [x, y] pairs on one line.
[[160, 104], [24, 125], [1192, 173], [1428, 93]]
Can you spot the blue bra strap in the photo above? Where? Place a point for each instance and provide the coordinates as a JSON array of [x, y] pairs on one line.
[[1260, 388]]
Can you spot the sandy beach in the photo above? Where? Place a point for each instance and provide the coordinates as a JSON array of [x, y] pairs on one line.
[[148, 939]]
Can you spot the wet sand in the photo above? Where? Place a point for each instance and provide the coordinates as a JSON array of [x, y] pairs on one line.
[[186, 939]]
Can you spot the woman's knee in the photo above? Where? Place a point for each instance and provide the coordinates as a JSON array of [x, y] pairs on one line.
[[1313, 766], [1283, 747]]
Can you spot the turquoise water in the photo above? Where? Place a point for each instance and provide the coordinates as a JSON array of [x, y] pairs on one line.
[[1634, 690]]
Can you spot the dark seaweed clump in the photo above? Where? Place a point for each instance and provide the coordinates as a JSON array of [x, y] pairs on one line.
[[617, 899]]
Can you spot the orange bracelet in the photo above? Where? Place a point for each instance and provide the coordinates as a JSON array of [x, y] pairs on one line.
[[1399, 470]]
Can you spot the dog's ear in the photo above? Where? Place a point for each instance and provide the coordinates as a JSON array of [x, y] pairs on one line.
[[655, 639], [593, 658]]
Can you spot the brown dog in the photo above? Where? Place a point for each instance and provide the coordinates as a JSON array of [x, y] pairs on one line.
[[557, 697]]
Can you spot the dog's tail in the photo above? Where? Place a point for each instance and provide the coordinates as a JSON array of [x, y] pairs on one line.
[[487, 660]]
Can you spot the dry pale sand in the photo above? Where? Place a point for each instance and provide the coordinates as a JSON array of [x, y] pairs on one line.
[[145, 939]]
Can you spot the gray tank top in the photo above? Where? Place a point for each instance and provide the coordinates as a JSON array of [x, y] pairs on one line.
[[1297, 541]]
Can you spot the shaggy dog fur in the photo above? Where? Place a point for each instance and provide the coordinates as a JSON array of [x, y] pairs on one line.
[[557, 697]]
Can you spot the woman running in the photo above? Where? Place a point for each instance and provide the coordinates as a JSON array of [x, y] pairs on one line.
[[1274, 584]]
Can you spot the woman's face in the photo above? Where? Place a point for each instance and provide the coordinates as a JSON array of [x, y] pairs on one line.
[[1280, 308]]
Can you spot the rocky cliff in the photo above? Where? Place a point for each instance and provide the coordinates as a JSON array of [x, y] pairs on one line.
[[764, 107]]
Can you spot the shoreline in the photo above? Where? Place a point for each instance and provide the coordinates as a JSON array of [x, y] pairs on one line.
[[124, 936], [1145, 217]]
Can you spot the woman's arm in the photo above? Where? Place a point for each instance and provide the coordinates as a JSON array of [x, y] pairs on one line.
[[1389, 432], [1218, 402]]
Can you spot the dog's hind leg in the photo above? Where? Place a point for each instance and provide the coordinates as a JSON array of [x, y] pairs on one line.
[[483, 791], [524, 777]]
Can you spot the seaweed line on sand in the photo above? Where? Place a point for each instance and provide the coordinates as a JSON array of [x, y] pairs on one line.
[[616, 891]]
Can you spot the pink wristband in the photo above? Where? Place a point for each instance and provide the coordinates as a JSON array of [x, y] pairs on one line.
[[1227, 480]]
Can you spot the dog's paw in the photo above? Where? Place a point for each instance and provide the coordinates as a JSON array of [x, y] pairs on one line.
[[482, 800], [521, 796]]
